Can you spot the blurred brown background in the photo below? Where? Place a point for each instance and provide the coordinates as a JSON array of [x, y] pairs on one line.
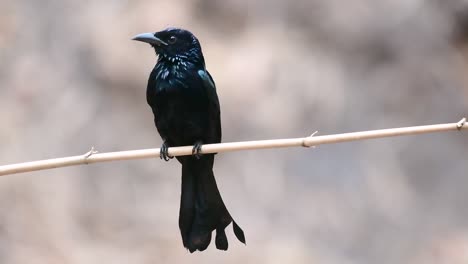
[[70, 78]]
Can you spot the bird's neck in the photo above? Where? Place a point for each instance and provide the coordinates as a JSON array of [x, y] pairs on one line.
[[178, 61], [191, 57], [177, 65]]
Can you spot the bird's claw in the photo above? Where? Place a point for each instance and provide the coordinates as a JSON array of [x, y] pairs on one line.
[[164, 152], [196, 150]]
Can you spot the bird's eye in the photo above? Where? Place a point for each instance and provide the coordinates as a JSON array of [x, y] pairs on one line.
[[172, 40]]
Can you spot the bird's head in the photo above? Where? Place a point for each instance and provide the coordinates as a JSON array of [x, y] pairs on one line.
[[173, 44]]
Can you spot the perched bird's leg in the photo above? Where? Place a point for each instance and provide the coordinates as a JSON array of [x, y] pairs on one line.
[[163, 152], [196, 149]]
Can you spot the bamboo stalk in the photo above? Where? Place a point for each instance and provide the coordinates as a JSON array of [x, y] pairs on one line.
[[94, 157]]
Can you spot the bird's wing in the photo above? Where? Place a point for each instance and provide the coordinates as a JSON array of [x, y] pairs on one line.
[[210, 89], [151, 90]]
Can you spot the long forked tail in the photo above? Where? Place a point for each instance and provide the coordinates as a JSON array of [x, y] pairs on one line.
[[202, 209]]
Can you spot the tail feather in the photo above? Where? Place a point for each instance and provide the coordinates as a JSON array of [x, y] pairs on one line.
[[202, 209], [187, 207], [221, 239], [238, 232]]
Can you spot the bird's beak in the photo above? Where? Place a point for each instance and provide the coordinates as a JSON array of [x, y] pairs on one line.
[[149, 38]]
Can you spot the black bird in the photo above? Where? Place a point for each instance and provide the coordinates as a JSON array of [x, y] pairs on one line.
[[182, 95]]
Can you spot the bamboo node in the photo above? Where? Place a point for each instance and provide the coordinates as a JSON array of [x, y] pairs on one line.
[[88, 154], [304, 144], [461, 123]]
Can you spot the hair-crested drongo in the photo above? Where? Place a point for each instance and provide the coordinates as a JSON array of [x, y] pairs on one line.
[[182, 95]]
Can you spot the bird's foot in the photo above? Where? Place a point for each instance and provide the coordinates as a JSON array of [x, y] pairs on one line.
[[196, 150], [164, 152]]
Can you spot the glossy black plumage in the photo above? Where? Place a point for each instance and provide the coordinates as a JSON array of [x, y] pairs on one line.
[[186, 110]]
